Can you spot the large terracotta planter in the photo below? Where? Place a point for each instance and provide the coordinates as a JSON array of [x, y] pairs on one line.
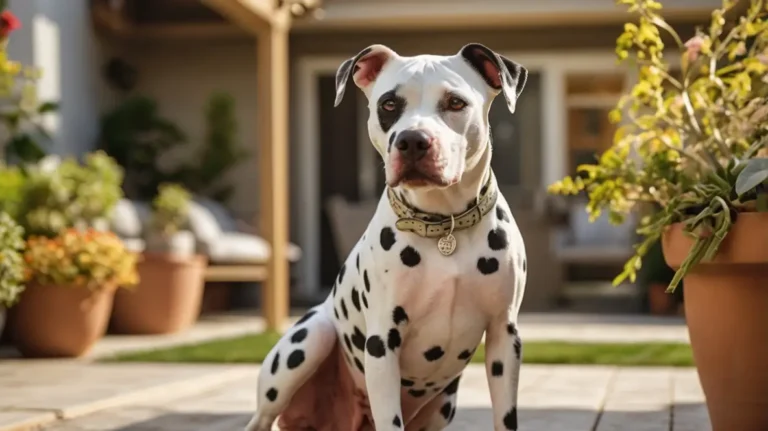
[[166, 300], [59, 321], [726, 307]]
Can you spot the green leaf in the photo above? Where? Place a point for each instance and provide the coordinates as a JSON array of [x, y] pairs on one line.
[[754, 173], [48, 107]]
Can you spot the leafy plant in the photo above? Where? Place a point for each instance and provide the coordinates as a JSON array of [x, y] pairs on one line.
[[20, 110], [754, 179], [170, 209], [137, 137], [219, 154], [81, 258], [59, 195], [11, 184], [684, 139], [11, 261]]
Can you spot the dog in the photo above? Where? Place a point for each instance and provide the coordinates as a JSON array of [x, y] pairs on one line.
[[441, 263]]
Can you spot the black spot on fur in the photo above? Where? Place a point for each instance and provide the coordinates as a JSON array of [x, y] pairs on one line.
[[358, 339], [299, 335], [497, 369], [397, 422], [306, 317], [391, 141], [410, 257], [366, 281], [348, 343], [295, 359], [511, 329], [333, 290], [407, 383], [375, 346], [357, 262], [344, 310], [387, 238], [272, 394], [341, 272], [518, 347], [434, 353], [501, 214], [356, 299], [275, 364], [453, 386], [497, 239], [417, 392], [466, 354], [399, 315], [393, 339], [359, 365], [445, 410], [487, 265], [510, 419], [453, 413], [429, 384], [387, 119], [365, 301], [336, 313], [525, 265]]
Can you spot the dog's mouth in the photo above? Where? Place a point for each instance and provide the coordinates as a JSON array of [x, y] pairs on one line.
[[415, 178]]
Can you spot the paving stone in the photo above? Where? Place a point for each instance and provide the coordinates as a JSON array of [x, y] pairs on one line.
[[639, 399], [689, 412], [22, 420]]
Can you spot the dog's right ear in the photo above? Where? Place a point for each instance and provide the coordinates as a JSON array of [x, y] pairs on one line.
[[364, 68]]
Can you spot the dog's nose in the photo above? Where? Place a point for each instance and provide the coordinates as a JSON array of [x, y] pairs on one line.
[[413, 144]]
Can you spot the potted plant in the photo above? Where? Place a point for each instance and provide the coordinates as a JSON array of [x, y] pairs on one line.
[[11, 264], [169, 296], [693, 143], [72, 278]]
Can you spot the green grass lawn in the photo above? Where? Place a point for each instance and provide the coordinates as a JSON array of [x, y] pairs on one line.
[[254, 348]]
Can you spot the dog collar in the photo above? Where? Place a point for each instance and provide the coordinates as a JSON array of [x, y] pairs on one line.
[[429, 225]]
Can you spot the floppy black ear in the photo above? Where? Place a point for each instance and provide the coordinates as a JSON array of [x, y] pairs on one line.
[[364, 69], [499, 72]]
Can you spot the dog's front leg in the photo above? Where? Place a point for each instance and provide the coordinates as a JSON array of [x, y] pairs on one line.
[[382, 368], [503, 349]]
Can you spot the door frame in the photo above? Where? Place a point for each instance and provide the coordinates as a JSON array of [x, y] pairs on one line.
[[553, 66]]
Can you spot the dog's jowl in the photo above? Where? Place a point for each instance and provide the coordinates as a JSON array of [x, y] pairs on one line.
[[441, 263]]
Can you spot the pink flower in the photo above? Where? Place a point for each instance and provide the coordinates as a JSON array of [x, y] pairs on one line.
[[8, 23], [693, 47]]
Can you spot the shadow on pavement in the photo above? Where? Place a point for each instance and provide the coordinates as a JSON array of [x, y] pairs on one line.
[[688, 416]]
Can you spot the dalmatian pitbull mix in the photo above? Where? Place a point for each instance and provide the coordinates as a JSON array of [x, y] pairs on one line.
[[441, 263]]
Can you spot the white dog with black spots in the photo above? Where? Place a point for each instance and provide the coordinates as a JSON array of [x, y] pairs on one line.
[[441, 263]]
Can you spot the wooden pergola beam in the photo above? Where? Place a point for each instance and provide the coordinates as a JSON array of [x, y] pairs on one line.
[[271, 28]]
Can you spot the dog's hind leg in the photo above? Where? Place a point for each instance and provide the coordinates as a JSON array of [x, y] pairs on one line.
[[292, 361]]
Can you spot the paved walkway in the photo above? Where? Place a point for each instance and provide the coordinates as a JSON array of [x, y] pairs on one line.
[[553, 398]]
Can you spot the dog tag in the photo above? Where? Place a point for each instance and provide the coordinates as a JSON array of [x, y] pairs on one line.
[[447, 245]]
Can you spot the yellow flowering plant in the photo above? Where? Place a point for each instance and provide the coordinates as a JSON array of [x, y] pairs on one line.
[[690, 144], [86, 258]]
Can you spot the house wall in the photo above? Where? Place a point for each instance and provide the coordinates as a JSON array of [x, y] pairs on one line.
[[181, 77], [57, 37]]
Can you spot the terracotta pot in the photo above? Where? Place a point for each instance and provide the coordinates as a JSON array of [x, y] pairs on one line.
[[726, 307], [59, 320], [167, 298]]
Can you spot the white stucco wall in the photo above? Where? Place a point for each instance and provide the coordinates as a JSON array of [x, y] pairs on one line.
[[57, 36]]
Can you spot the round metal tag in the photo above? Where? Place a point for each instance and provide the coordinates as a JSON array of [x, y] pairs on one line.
[[447, 245]]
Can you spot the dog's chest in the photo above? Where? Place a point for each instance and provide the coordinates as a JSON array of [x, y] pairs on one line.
[[444, 302]]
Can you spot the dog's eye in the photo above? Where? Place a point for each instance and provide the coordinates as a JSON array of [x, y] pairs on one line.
[[389, 105], [456, 104]]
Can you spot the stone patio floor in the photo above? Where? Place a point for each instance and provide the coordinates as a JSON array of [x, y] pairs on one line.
[[74, 396]]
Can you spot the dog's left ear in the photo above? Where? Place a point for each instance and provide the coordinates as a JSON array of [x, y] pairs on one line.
[[499, 72]]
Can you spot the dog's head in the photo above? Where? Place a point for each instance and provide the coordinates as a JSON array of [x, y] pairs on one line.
[[429, 114]]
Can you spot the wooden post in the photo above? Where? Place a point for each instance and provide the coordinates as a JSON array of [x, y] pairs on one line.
[[272, 114]]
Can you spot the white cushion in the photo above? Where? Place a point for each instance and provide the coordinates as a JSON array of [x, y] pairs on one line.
[[235, 247], [128, 218], [203, 224]]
